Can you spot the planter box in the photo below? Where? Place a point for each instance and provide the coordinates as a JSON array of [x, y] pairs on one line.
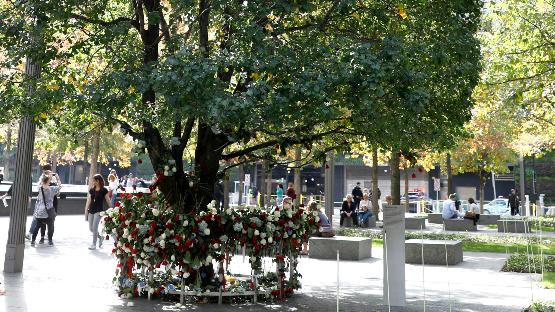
[[435, 218], [434, 251], [487, 219], [460, 225], [350, 248], [511, 226], [415, 223]]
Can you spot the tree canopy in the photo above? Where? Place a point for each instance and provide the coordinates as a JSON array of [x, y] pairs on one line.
[[242, 80]]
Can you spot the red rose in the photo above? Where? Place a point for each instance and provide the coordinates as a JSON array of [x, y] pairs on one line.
[[253, 225], [118, 204], [139, 194]]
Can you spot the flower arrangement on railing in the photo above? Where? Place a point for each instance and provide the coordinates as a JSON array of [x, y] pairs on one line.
[[148, 235]]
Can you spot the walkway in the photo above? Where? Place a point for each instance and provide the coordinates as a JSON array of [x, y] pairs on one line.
[[69, 277]]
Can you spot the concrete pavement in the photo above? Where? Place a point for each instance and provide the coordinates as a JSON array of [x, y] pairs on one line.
[[69, 277]]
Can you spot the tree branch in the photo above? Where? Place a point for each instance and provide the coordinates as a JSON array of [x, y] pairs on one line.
[[119, 20], [187, 133]]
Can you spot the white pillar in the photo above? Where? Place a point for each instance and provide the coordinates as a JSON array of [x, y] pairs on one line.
[[394, 255]]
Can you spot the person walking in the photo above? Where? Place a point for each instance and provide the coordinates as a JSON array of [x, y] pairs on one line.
[[113, 187], [357, 195], [98, 195], [44, 208], [514, 203], [46, 169], [279, 195]]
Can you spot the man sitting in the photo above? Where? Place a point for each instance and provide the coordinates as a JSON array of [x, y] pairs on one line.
[[449, 210]]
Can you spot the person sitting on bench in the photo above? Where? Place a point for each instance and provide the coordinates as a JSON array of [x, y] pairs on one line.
[[449, 210], [348, 210]]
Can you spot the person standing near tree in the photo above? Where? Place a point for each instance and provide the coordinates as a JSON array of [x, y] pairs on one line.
[[514, 203], [279, 195], [44, 208], [98, 196], [113, 187], [357, 195], [291, 192]]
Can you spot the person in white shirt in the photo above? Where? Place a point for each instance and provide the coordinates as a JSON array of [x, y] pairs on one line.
[[449, 211]]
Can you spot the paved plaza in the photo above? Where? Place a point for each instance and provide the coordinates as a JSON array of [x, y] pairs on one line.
[[69, 277]]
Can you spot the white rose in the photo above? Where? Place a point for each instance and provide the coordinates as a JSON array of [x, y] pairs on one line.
[[163, 236], [155, 212], [228, 211], [263, 242], [263, 235], [206, 231], [102, 213], [191, 184], [166, 168], [208, 260], [143, 215], [174, 169], [145, 241], [216, 246], [185, 223], [114, 231], [186, 274], [172, 258], [270, 239], [166, 173], [256, 232]]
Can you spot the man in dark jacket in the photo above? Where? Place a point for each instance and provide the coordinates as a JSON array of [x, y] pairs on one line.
[[514, 202], [357, 195]]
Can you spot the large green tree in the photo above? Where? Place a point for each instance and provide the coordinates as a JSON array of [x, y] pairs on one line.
[[233, 81]]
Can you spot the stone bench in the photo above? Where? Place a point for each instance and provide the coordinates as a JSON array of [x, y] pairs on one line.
[[370, 224], [435, 218], [415, 223], [434, 251], [460, 225], [511, 226], [487, 219], [350, 248]]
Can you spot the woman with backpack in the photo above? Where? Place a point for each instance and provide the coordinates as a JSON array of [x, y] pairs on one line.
[[98, 196], [44, 207]]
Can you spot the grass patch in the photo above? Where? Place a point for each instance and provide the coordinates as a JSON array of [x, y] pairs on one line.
[[376, 242], [541, 307], [548, 280], [491, 226], [511, 248]]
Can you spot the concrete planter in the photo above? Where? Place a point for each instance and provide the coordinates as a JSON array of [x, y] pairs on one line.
[[415, 223], [350, 248], [434, 251], [435, 218], [511, 226], [460, 225]]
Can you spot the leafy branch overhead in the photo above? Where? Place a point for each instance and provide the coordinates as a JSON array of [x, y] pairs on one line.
[[218, 81]]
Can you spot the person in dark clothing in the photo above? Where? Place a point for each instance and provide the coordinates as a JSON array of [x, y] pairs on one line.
[[348, 210], [357, 194], [96, 203], [291, 191], [514, 202], [219, 194], [457, 203]]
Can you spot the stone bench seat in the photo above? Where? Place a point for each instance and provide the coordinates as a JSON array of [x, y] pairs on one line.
[[350, 248], [435, 218], [511, 226], [488, 219], [460, 225], [434, 251], [415, 223]]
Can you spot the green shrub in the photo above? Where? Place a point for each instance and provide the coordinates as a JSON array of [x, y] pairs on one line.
[[524, 263], [541, 307]]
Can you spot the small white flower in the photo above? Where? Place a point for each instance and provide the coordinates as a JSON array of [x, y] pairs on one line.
[[127, 222], [263, 242], [216, 246], [174, 169], [143, 215], [145, 241], [191, 183], [229, 211], [171, 161], [163, 236], [186, 274], [155, 212], [256, 232], [223, 238], [185, 223], [270, 239], [263, 235], [172, 258], [166, 168], [207, 232], [166, 173], [114, 231], [102, 213]]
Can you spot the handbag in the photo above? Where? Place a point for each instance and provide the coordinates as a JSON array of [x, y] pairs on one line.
[[469, 214]]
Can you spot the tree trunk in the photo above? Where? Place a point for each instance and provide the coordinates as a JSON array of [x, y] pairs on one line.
[[522, 185], [262, 189], [395, 178], [297, 179], [226, 191], [406, 176], [449, 170], [54, 161], [95, 150], [85, 162], [482, 178], [269, 189], [7, 153], [375, 199]]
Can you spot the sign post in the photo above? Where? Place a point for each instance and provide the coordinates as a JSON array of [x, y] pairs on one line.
[[437, 187]]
